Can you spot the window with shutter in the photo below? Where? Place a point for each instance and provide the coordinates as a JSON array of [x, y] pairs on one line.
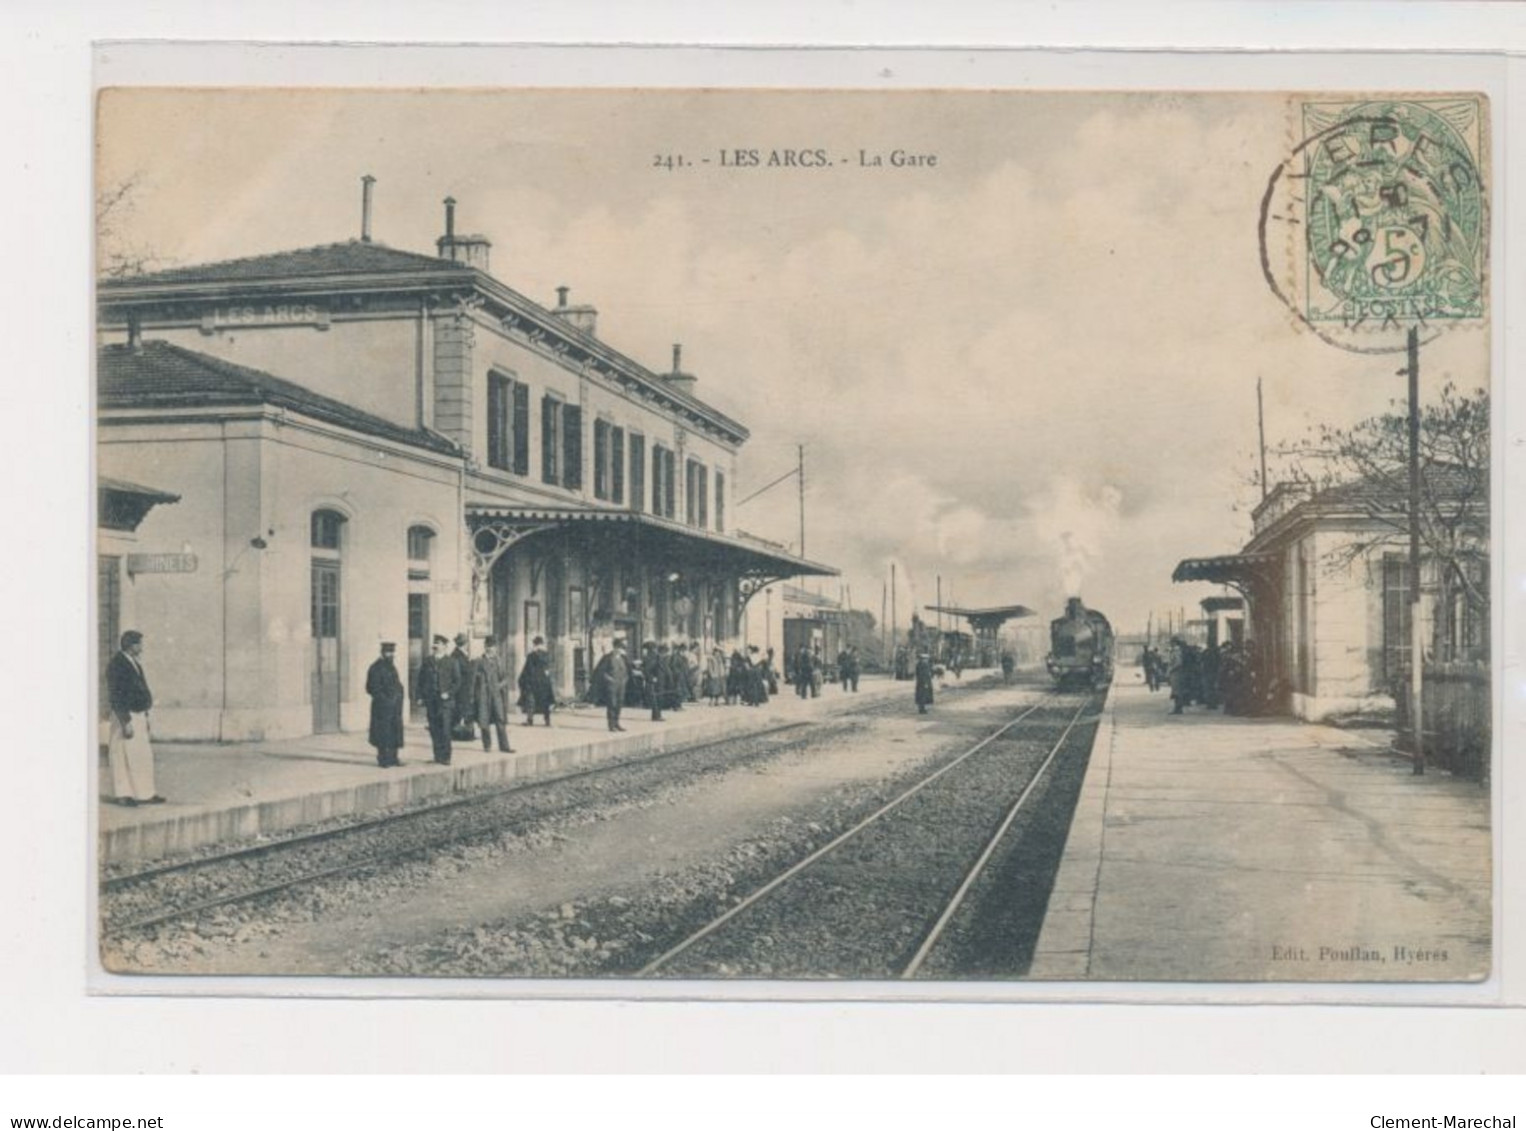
[[720, 501], [617, 465], [499, 434], [550, 428], [572, 448], [521, 428], [670, 464], [601, 459], [638, 471]]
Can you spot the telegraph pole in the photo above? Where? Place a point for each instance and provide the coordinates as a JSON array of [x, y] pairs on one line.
[[800, 475], [1261, 428], [894, 622], [1417, 632]]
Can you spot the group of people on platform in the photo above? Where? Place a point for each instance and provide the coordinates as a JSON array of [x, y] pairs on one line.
[[459, 694], [667, 676], [1216, 676]]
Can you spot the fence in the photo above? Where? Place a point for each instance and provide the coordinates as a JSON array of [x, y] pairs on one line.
[[1458, 719]]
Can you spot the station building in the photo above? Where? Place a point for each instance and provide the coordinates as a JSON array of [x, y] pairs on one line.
[[361, 444], [1326, 582]]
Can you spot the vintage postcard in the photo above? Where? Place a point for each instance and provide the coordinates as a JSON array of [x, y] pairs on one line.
[[964, 537]]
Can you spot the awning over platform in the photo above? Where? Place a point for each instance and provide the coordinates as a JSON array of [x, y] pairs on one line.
[[987, 620], [1240, 570], [747, 557]]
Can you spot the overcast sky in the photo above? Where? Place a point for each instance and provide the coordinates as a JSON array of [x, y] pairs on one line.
[[1030, 368]]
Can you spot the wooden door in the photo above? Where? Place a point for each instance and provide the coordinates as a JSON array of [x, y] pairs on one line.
[[326, 650]]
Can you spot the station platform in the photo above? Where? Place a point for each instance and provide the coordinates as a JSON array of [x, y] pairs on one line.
[[223, 793], [1209, 848]]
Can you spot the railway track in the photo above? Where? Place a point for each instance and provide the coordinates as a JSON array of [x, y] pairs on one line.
[[896, 888], [183, 889]]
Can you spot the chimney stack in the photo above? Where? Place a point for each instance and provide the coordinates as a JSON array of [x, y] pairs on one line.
[[472, 251], [678, 379], [365, 207], [584, 317]]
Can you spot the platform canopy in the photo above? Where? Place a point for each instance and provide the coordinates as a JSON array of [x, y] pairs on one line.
[[1226, 569], [1254, 575], [984, 620], [746, 557]]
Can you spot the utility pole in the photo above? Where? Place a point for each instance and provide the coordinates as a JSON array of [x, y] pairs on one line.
[[1261, 428], [884, 627], [800, 475], [1417, 632], [894, 622]]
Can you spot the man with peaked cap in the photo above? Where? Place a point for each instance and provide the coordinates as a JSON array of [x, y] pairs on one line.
[[385, 687], [437, 690], [128, 750]]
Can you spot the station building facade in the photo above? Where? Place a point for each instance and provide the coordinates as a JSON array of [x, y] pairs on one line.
[[365, 444]]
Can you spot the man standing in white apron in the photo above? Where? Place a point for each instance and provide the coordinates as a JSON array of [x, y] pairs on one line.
[[129, 752]]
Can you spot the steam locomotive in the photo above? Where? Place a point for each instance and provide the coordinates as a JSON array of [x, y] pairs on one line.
[[1080, 647]]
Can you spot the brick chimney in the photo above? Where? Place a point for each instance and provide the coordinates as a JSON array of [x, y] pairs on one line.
[[584, 318], [470, 251], [366, 182], [678, 379]]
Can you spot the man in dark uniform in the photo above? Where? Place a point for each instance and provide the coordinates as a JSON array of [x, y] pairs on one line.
[[535, 692], [803, 671], [461, 725], [652, 665], [385, 687], [490, 695], [924, 686], [437, 690], [610, 677]]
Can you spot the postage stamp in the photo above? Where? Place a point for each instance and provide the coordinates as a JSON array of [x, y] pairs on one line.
[[1383, 207]]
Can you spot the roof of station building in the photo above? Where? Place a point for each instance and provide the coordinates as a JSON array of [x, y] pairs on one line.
[[161, 375], [365, 264], [351, 257]]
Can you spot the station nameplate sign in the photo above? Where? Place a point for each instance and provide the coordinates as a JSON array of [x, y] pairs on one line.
[[265, 314], [161, 563]]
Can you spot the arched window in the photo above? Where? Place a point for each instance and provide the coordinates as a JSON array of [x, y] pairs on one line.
[[420, 551], [328, 527]]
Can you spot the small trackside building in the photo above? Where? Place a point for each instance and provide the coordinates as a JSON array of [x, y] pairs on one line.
[[1326, 582]]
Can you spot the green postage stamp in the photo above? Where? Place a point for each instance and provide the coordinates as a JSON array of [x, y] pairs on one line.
[[1396, 227]]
